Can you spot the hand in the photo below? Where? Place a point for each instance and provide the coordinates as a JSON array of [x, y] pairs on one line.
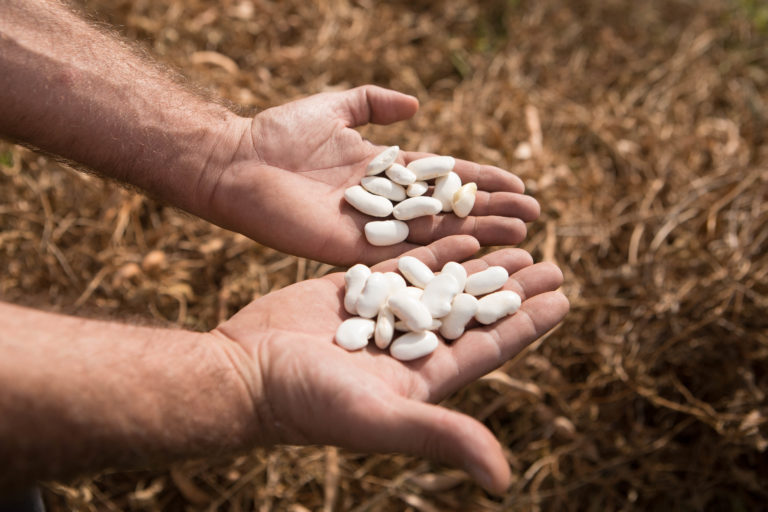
[[285, 188], [308, 390]]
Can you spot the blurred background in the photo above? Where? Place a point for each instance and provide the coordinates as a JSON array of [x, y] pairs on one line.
[[640, 127]]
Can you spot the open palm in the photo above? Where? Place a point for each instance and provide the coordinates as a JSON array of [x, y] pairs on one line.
[[285, 186], [311, 391]]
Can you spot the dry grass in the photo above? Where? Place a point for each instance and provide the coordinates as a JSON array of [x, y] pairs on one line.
[[645, 123]]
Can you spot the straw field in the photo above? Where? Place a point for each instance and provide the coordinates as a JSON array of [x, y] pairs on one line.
[[640, 127]]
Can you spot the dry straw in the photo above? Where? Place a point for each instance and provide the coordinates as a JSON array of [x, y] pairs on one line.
[[639, 126]]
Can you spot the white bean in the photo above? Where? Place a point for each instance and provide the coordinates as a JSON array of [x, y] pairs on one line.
[[415, 271], [497, 305], [487, 281], [402, 326], [439, 294], [354, 280], [410, 310], [417, 188], [396, 281], [445, 187], [463, 308], [386, 232], [368, 203], [417, 207], [432, 167], [385, 328], [413, 345], [415, 292], [382, 161], [373, 296], [383, 187], [400, 174], [353, 334], [464, 199], [457, 271]]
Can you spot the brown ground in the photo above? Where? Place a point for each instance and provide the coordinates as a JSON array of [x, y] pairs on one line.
[[646, 123]]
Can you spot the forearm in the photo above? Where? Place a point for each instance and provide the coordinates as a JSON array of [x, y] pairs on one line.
[[78, 92], [81, 395]]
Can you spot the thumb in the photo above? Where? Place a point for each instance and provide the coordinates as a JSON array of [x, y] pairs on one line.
[[372, 104], [439, 434]]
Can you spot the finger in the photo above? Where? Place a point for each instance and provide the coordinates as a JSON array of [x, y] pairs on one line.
[[372, 104], [483, 349], [536, 279], [415, 428], [437, 254], [506, 204], [512, 259], [488, 177], [488, 230]]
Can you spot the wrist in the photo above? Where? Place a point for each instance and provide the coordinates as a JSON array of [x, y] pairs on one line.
[[243, 377]]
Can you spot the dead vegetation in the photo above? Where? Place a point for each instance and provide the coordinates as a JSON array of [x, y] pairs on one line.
[[639, 126]]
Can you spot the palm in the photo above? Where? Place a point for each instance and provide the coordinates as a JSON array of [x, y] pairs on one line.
[[286, 189], [366, 400]]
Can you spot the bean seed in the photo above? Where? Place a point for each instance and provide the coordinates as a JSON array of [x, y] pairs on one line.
[[354, 333], [416, 207], [431, 167], [496, 306], [487, 281], [386, 232], [464, 199], [368, 203], [413, 345], [445, 187], [382, 161], [415, 271], [383, 187], [354, 279], [400, 174]]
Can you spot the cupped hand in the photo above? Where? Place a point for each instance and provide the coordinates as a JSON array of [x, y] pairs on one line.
[[285, 185], [308, 390]]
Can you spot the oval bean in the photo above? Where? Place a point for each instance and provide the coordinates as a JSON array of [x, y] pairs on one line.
[[457, 271], [354, 333], [368, 203], [417, 273], [386, 232], [417, 207], [373, 296], [400, 174], [413, 345], [432, 167], [417, 188], [382, 161], [383, 187], [464, 199], [439, 294], [445, 187], [497, 305], [402, 326], [385, 328], [410, 310], [487, 281], [463, 308], [354, 280]]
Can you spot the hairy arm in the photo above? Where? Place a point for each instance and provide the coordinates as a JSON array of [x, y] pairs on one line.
[[74, 90], [81, 395]]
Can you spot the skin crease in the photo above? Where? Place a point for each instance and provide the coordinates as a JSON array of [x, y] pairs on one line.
[[377, 401]]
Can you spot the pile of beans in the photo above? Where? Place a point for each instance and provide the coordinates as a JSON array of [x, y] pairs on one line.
[[401, 194], [445, 302]]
